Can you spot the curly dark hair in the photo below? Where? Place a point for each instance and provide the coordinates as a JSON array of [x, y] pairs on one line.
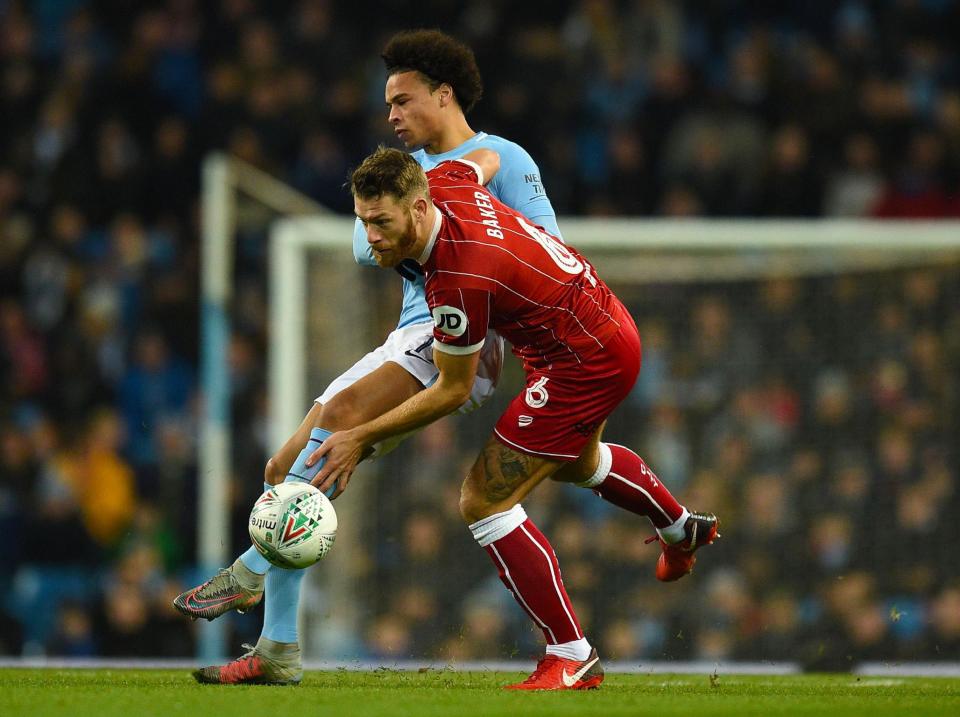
[[438, 57]]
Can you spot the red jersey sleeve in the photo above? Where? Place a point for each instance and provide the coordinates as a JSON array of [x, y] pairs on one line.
[[460, 319], [462, 169]]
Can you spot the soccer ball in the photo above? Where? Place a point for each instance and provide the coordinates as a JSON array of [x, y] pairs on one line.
[[293, 525]]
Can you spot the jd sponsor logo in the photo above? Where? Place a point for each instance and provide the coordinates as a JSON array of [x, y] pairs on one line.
[[450, 320]]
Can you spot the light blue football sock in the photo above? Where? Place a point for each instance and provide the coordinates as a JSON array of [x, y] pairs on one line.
[[281, 602], [282, 590], [299, 470], [254, 561]]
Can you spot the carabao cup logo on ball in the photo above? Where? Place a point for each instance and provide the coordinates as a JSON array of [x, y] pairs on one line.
[[450, 320], [293, 525]]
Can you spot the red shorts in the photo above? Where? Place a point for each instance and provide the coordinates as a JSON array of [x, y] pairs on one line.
[[563, 407]]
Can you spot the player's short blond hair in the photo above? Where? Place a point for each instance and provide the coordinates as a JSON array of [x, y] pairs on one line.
[[389, 171]]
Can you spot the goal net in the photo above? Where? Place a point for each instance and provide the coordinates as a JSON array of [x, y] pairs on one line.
[[799, 378]]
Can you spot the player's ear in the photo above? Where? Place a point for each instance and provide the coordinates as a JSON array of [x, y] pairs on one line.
[[445, 94], [420, 205]]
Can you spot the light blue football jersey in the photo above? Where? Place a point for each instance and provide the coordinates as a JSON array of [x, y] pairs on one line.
[[517, 184]]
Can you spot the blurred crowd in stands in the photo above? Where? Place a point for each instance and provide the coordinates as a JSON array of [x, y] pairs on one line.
[[817, 417]]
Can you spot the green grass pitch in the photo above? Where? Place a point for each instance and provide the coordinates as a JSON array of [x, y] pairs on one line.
[[131, 693]]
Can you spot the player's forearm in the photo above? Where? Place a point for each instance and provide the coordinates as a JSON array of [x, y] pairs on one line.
[[487, 160], [417, 411]]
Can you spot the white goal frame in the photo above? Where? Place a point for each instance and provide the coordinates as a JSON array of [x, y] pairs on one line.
[[667, 250]]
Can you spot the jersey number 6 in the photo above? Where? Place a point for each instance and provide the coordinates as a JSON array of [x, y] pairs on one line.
[[537, 395], [558, 252]]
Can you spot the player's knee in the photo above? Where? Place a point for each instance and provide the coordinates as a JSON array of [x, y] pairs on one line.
[[274, 473], [473, 503], [581, 469], [476, 500], [340, 413], [575, 472]]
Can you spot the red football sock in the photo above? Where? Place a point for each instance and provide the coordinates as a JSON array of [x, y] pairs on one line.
[[631, 485], [528, 567]]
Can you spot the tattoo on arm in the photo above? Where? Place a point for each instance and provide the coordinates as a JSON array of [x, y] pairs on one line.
[[505, 470]]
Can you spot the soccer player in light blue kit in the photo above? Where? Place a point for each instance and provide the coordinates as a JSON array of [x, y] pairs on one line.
[[432, 82]]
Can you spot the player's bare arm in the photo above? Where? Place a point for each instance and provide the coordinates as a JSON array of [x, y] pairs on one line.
[[344, 449], [487, 160]]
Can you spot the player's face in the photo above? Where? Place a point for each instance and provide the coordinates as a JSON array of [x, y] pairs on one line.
[[390, 226], [414, 109]]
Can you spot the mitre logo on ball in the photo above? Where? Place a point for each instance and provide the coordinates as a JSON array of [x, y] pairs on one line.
[[293, 525]]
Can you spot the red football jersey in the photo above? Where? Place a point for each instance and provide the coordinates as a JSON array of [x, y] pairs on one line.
[[488, 267]]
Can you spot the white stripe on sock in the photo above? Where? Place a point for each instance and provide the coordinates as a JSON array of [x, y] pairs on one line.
[[556, 587], [516, 591], [649, 497]]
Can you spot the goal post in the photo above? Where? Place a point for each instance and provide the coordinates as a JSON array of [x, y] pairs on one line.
[[290, 241], [224, 180]]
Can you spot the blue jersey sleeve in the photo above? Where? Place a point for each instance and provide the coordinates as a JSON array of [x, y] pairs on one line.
[[518, 185], [361, 249]]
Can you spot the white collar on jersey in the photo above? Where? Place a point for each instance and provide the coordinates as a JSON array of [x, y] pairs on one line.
[[437, 219]]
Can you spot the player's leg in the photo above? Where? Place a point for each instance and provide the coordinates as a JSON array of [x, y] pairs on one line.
[[282, 461], [385, 387], [274, 473], [528, 567], [380, 380], [616, 473], [377, 383], [241, 585], [275, 659], [620, 476], [405, 366]]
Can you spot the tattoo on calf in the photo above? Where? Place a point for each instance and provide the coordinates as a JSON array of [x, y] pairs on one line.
[[504, 470]]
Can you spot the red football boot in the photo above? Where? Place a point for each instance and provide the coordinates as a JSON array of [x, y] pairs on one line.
[[557, 673], [269, 663], [677, 559]]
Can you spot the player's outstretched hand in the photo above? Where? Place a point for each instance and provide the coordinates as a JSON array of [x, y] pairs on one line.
[[343, 451]]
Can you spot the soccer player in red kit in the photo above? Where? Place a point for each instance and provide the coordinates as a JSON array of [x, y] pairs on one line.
[[488, 267]]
